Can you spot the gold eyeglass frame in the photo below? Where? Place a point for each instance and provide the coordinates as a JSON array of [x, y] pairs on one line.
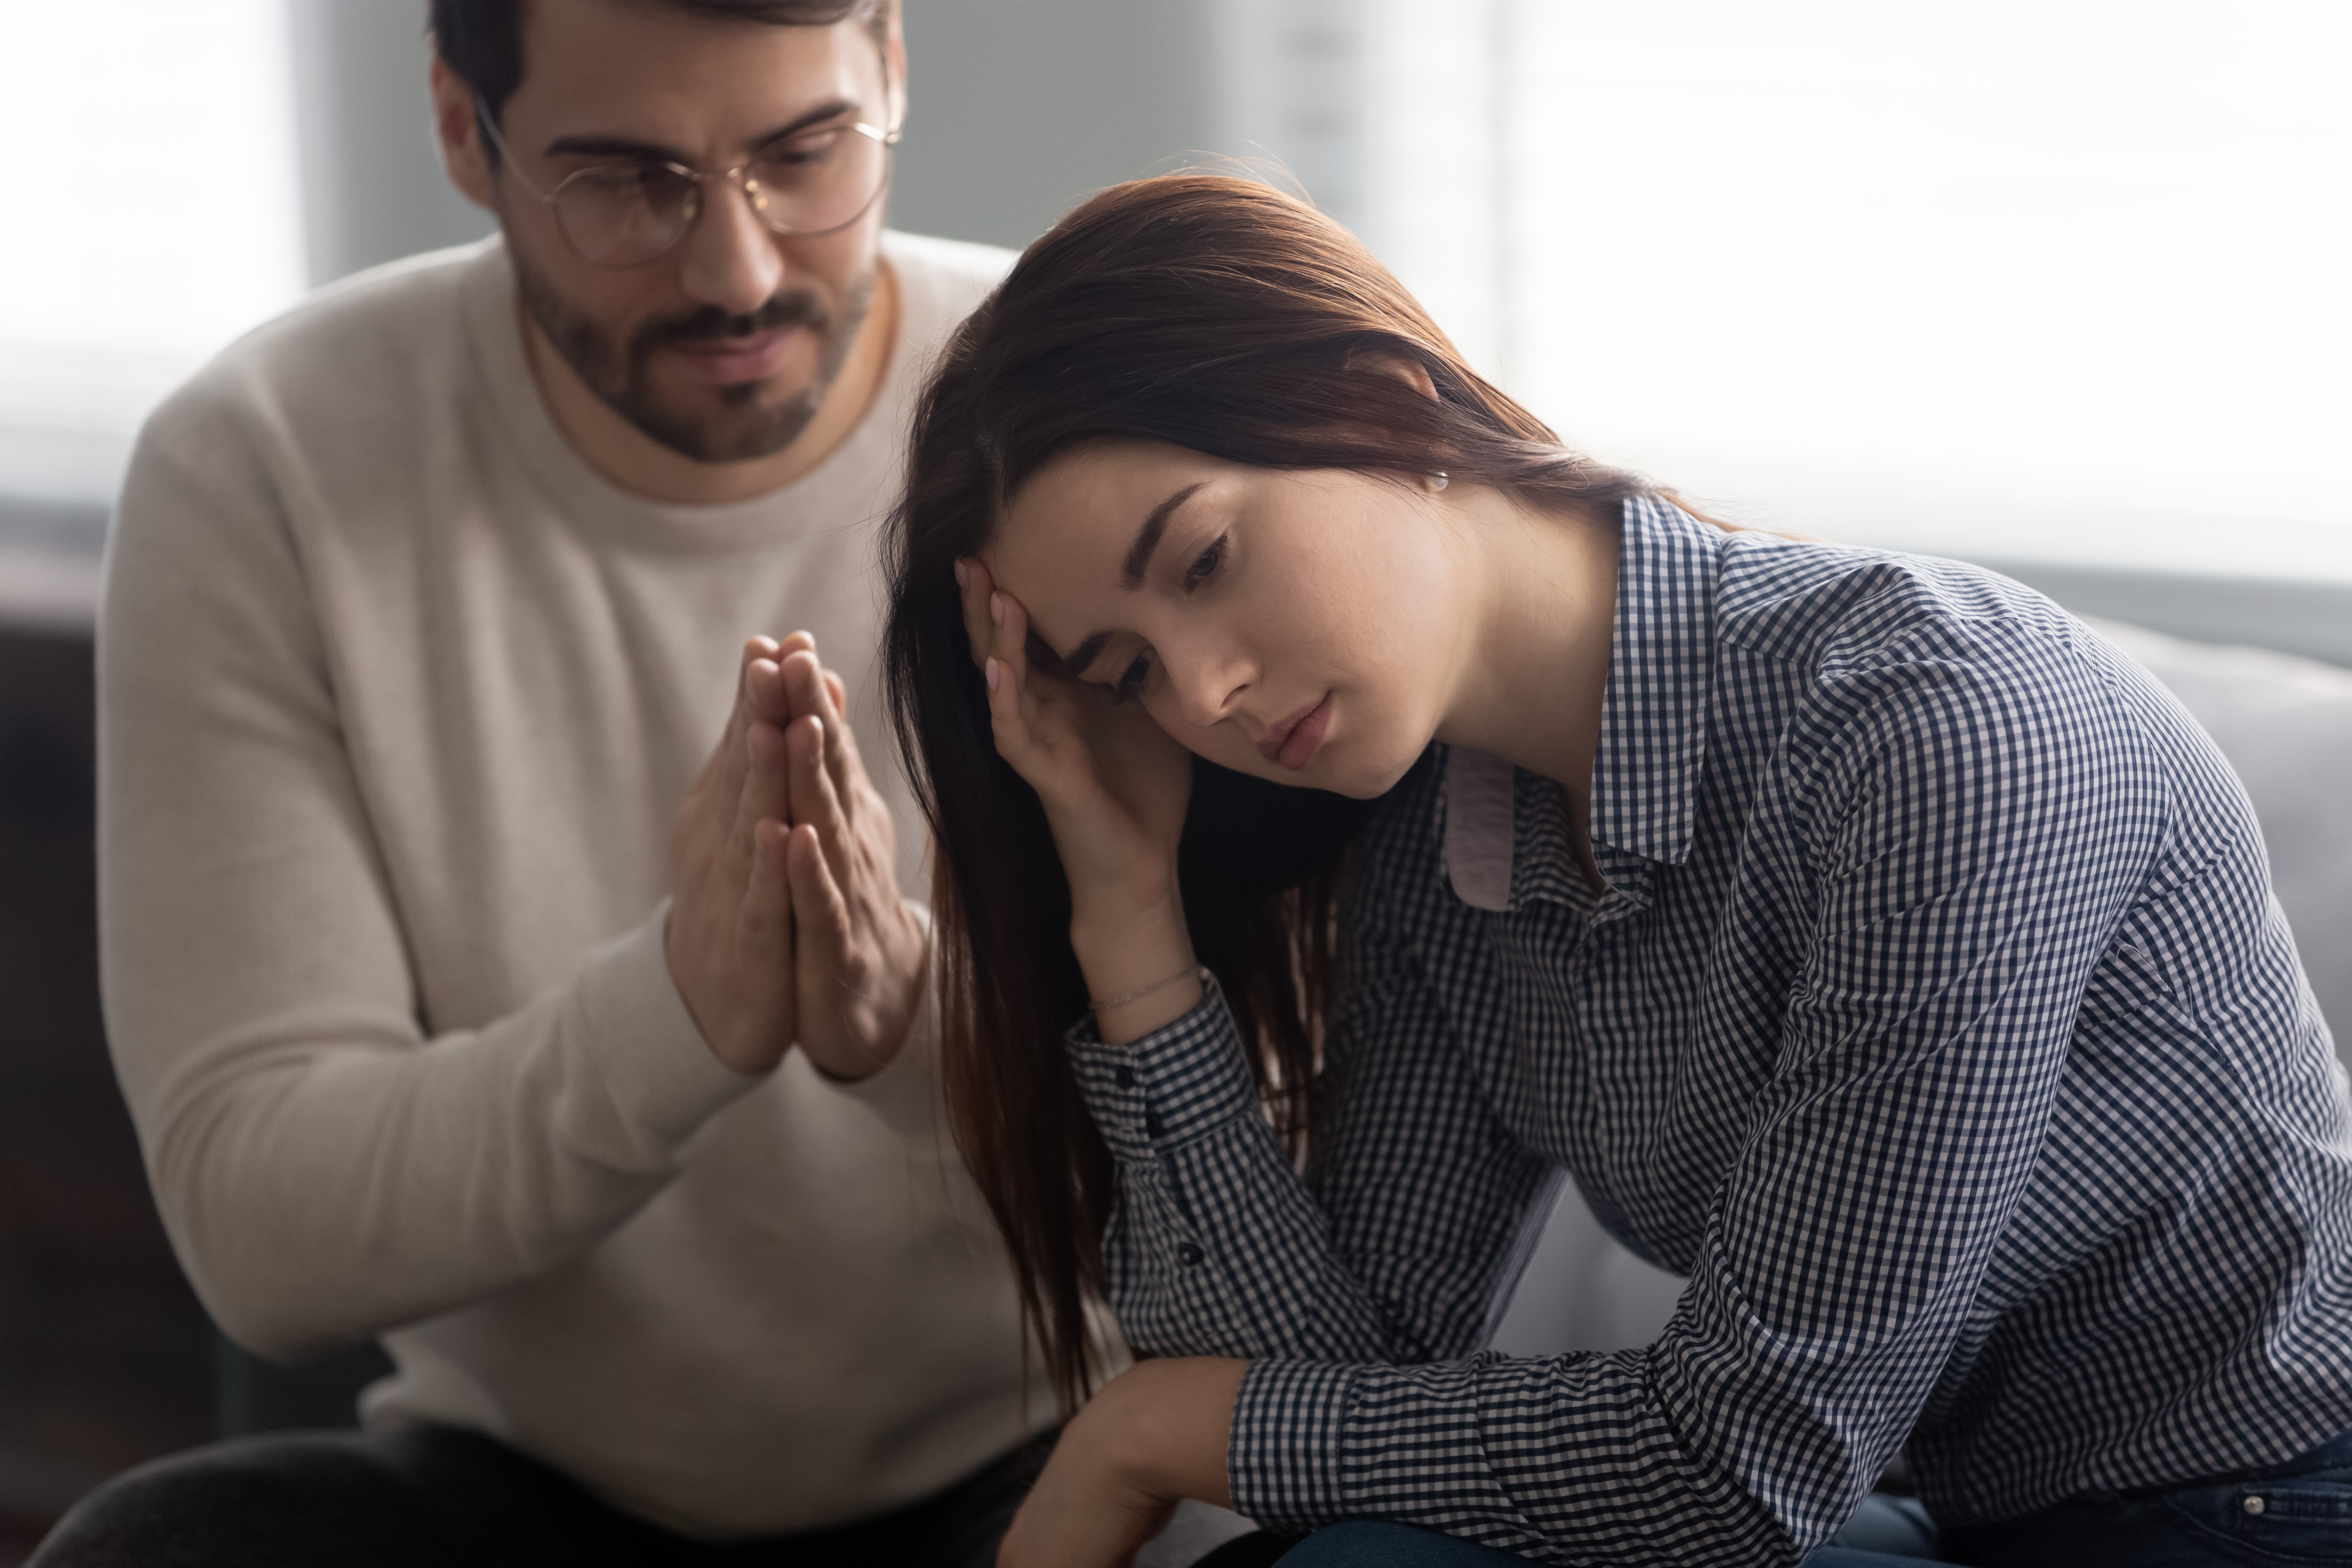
[[699, 178]]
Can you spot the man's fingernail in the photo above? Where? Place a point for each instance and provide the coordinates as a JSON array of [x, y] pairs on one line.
[[991, 675], [996, 608]]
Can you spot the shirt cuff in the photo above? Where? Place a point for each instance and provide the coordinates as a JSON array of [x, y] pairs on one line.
[[1282, 1461], [1181, 1079], [661, 1076]]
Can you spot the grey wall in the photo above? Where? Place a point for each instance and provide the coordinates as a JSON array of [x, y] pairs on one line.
[[1020, 107], [2314, 619], [373, 187]]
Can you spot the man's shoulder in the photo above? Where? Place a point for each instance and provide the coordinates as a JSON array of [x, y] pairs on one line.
[[353, 344]]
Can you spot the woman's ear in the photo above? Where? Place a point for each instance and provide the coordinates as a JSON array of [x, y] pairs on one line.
[[1411, 372]]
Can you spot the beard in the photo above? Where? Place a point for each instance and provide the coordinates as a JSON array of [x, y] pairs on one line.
[[616, 370]]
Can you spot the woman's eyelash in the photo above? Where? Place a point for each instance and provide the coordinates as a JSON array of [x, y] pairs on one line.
[[1131, 680], [1204, 566]]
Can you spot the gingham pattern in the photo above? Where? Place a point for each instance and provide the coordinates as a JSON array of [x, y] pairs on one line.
[[1936, 1023]]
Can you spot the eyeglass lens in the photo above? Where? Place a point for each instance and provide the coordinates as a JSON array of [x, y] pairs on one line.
[[810, 184]]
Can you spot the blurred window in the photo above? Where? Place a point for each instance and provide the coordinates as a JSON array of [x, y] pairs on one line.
[[2014, 279], [153, 216]]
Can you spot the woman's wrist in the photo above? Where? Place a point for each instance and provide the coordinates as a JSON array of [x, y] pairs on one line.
[[1139, 969], [1165, 1426]]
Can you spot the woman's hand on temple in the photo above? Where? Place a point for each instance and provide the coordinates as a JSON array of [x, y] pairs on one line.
[[1114, 786], [1155, 1435], [1113, 782]]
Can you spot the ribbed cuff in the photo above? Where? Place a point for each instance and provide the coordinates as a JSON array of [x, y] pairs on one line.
[[662, 1077], [1181, 1079], [1283, 1458]]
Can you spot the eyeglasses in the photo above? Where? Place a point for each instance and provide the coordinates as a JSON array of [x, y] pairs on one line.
[[619, 215]]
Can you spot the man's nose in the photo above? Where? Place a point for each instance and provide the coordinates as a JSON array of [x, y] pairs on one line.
[[729, 258]]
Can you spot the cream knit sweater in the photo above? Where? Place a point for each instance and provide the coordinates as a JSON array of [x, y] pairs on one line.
[[398, 698]]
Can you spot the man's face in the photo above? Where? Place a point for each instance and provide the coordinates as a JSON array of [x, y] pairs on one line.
[[722, 347]]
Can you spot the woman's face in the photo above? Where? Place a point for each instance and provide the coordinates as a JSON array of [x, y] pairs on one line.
[[1300, 626]]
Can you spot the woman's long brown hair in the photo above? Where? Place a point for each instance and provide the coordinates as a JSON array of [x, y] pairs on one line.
[[1217, 314]]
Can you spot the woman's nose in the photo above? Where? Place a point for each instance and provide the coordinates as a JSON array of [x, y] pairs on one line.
[[1208, 683]]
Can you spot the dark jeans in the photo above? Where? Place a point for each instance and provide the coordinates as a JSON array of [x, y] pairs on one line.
[[448, 1499], [2297, 1514], [2294, 1515], [1884, 1528]]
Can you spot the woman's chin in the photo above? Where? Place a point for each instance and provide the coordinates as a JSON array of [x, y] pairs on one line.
[[1343, 769], [1347, 770]]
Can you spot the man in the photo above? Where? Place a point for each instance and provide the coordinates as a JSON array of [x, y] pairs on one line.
[[424, 603]]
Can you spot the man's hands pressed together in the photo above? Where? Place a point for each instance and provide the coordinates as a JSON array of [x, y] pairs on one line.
[[785, 922]]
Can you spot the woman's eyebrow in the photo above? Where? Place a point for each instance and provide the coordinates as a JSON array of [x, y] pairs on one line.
[[1147, 538]]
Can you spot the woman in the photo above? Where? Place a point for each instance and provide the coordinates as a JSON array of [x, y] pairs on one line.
[[1873, 944]]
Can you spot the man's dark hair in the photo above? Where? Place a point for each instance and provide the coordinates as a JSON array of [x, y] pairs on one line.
[[481, 40]]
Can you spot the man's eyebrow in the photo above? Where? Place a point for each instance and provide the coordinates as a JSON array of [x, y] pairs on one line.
[[630, 147], [1147, 538]]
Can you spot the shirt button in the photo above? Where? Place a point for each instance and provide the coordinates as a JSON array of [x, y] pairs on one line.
[[1189, 1255], [2254, 1505], [1125, 1078]]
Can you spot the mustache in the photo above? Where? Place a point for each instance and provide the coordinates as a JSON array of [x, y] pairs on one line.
[[793, 308]]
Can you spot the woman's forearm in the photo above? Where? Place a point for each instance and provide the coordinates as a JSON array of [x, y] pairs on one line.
[[1166, 1424], [1156, 1435]]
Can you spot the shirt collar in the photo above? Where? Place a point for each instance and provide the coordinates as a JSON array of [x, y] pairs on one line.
[[1654, 719], [1654, 722]]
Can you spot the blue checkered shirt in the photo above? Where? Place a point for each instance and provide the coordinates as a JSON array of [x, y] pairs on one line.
[[1935, 1021]]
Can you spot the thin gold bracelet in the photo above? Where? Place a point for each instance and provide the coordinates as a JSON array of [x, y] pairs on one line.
[[1106, 1003]]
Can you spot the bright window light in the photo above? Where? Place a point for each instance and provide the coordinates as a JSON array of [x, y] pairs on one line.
[[2061, 280], [155, 217]]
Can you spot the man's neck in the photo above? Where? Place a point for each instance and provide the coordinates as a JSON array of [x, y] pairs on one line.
[[643, 466]]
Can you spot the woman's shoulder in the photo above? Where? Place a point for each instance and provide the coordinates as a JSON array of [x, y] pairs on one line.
[[1877, 654], [1842, 611]]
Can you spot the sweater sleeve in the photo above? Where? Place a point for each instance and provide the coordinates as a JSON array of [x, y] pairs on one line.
[[326, 1170]]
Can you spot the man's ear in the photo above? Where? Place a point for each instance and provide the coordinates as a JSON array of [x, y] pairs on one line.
[[895, 53], [1411, 372], [460, 134]]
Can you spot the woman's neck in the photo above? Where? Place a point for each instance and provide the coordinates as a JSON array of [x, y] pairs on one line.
[[1542, 591]]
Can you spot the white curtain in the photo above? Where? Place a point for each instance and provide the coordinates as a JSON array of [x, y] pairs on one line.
[[2013, 279]]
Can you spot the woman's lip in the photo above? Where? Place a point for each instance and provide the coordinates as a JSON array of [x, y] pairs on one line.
[[1298, 737]]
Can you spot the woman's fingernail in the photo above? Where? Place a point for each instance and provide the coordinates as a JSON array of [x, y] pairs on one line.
[[996, 608], [991, 675], [963, 576]]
